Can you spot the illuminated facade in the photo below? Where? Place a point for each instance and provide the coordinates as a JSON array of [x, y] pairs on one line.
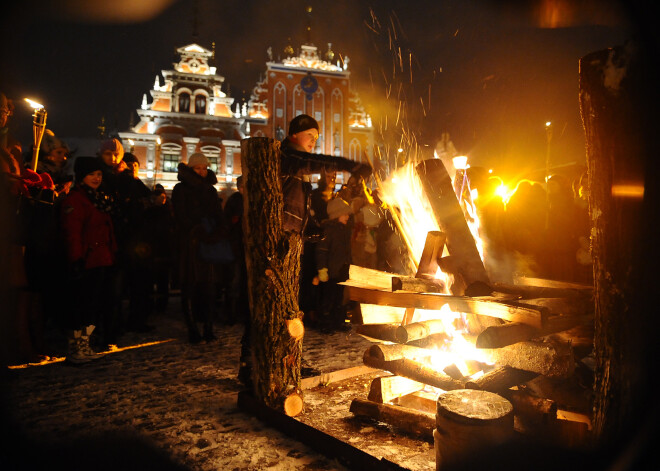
[[308, 84], [189, 113]]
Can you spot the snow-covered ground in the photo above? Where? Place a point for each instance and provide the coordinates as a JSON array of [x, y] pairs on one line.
[[164, 404]]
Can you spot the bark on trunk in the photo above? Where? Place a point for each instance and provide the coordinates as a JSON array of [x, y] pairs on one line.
[[618, 100], [273, 266]]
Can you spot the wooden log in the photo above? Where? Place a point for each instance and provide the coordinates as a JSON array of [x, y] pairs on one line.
[[549, 358], [428, 261], [451, 220], [414, 370], [273, 264], [387, 352], [418, 285], [393, 282], [419, 330], [386, 332], [500, 379], [534, 415], [433, 341], [367, 313], [423, 401], [431, 301], [468, 422], [408, 420], [542, 291], [513, 332], [547, 283], [387, 388]]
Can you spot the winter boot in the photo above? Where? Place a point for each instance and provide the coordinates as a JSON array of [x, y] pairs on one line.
[[85, 346], [75, 354], [193, 332]]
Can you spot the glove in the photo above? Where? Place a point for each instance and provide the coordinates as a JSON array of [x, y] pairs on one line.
[[323, 275]]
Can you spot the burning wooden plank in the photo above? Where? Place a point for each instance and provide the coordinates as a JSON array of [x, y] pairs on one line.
[[527, 291], [409, 420], [393, 282], [366, 313], [414, 370], [431, 301], [451, 220], [387, 388]]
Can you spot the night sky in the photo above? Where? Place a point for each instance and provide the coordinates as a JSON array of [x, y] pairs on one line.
[[488, 73]]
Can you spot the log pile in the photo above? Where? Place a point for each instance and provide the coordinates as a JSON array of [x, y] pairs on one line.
[[531, 336], [530, 355]]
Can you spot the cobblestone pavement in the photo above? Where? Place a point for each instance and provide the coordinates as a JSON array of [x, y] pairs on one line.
[[156, 403]]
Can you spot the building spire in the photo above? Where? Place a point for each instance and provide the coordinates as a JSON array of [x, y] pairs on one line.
[[309, 25], [195, 22]]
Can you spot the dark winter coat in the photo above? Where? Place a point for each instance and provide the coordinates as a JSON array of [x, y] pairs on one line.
[[295, 164], [196, 203], [88, 231], [334, 250]]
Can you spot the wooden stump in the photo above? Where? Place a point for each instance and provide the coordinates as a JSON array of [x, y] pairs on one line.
[[273, 266], [469, 421]]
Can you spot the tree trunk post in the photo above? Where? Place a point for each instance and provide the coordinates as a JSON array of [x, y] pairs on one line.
[[617, 97], [273, 267]]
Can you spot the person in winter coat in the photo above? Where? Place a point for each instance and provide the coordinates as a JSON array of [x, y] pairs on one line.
[[297, 163], [199, 222], [333, 259], [91, 248]]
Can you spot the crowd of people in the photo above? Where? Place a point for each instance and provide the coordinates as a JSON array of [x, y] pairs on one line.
[[95, 252]]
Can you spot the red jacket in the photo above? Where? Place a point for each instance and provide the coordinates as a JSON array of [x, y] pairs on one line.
[[88, 232]]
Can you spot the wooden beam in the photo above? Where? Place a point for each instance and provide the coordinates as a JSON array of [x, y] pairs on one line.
[[387, 388], [409, 420], [392, 281], [376, 314], [334, 376], [451, 220], [367, 295], [546, 283]]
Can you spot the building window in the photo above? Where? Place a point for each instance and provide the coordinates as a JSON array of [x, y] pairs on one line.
[[213, 163], [200, 104], [170, 161], [184, 102]]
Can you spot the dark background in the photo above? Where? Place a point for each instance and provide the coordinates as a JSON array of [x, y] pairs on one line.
[[488, 73]]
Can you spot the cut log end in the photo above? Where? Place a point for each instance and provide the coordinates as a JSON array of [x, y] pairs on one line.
[[296, 328], [293, 405]]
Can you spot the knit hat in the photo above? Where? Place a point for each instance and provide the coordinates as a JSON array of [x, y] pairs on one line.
[[301, 123], [50, 142], [112, 145], [198, 159], [338, 207], [130, 158], [83, 166]]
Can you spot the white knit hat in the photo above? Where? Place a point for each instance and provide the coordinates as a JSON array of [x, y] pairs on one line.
[[198, 159]]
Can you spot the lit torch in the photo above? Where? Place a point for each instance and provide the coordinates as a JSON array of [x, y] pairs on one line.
[[38, 128]]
